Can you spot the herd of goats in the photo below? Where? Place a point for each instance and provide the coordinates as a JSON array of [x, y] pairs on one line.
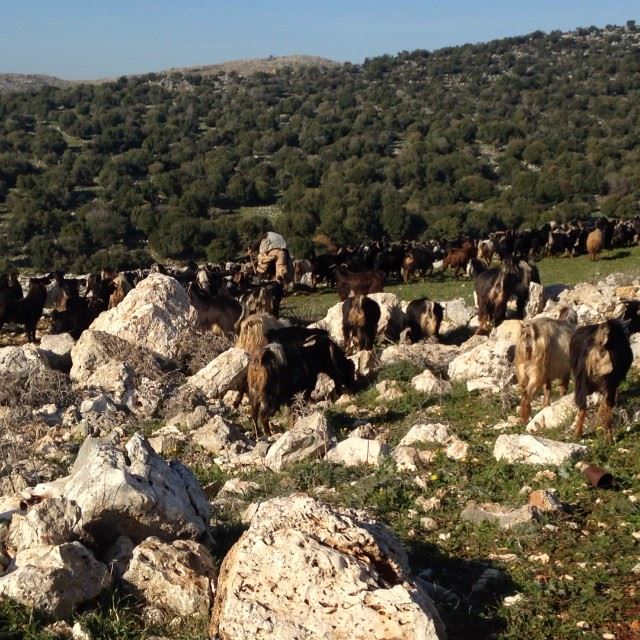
[[286, 359]]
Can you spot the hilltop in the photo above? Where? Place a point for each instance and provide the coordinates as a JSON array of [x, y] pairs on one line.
[[29, 82], [10, 82]]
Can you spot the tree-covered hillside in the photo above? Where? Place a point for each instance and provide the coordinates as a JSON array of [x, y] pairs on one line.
[[461, 140]]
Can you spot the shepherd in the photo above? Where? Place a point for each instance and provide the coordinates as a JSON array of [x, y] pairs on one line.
[[273, 255]]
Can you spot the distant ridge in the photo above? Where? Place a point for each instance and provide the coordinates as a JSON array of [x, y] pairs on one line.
[[259, 65], [31, 82]]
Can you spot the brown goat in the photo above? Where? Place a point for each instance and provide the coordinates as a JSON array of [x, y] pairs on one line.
[[595, 243], [352, 284], [252, 332], [121, 286], [457, 259], [542, 356]]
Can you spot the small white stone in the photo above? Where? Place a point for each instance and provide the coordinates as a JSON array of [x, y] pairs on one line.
[[509, 601]]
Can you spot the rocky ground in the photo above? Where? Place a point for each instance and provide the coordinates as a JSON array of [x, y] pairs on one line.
[[136, 501]]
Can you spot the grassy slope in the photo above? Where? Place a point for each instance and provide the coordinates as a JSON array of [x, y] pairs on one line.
[[552, 271]]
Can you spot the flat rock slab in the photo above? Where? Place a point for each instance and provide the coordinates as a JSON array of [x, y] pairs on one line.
[[355, 451], [528, 449], [504, 517], [224, 373]]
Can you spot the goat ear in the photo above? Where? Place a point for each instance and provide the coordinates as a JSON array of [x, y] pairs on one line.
[[602, 335]]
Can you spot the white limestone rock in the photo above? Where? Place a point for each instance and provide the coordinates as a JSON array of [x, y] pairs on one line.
[[305, 571], [528, 449]]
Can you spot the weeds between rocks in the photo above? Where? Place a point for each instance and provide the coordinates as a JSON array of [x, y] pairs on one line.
[[197, 350]]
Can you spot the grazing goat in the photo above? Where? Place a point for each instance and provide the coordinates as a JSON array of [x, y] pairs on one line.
[[600, 358], [77, 315], [10, 287], [417, 259], [263, 298], [631, 316], [486, 249], [542, 356], [360, 317], [422, 319], [252, 331], [290, 364], [218, 314], [27, 310], [595, 242], [120, 287], [352, 284], [458, 258], [494, 287]]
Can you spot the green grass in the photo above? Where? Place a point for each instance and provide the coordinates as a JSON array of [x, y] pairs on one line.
[[591, 543], [444, 287]]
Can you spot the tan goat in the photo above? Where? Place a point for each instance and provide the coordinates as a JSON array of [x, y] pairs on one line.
[[542, 356]]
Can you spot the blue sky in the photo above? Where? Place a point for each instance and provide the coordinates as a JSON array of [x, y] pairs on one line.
[[83, 39]]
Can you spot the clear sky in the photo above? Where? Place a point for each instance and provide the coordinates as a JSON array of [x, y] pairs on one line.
[[85, 39]]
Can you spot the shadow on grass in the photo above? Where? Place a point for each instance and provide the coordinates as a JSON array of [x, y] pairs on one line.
[[467, 592], [618, 255]]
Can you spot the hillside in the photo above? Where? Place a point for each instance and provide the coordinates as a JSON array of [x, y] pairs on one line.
[[194, 163]]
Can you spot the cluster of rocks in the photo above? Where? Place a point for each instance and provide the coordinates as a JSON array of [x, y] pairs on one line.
[[125, 518]]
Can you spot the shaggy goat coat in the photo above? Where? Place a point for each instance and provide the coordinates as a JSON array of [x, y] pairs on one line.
[[542, 356], [600, 359]]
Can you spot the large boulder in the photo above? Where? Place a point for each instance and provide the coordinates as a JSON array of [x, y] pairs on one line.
[[490, 359], [528, 449], [54, 579], [389, 325], [225, 373], [97, 349], [304, 571], [131, 491], [155, 315], [173, 579], [457, 315], [310, 437]]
